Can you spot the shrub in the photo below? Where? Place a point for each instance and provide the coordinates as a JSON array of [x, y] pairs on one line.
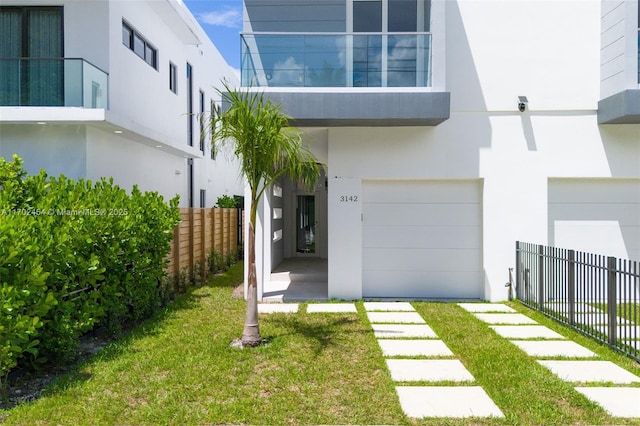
[[74, 254]]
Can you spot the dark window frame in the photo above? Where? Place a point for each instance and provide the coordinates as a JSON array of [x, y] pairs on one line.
[[173, 77], [201, 119], [139, 45], [189, 104]]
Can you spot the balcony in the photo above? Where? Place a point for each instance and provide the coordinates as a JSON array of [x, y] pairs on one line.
[[346, 79], [55, 82], [336, 60]]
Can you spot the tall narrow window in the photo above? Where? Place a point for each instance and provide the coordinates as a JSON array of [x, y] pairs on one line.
[[203, 198], [201, 120], [173, 77], [190, 181], [189, 104], [32, 52], [215, 111]]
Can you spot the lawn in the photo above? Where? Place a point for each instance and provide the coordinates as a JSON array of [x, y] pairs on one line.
[[317, 369]]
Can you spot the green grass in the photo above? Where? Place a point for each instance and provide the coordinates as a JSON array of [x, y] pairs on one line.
[[178, 368], [630, 311]]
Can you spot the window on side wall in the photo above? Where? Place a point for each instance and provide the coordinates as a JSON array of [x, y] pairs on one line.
[[139, 45], [173, 77]]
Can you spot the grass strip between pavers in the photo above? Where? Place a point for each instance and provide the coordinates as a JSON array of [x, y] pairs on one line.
[[526, 392]]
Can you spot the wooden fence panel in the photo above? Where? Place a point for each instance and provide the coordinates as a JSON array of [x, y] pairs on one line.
[[199, 233]]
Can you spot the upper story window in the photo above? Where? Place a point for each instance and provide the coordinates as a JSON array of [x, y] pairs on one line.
[[31, 56], [173, 77], [136, 42], [391, 15]]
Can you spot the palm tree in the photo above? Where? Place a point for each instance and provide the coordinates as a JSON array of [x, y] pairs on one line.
[[259, 135]]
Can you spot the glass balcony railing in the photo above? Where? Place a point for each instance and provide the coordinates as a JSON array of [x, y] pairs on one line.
[[52, 82], [336, 59]]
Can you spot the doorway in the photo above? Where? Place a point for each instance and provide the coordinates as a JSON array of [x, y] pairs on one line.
[[306, 225]]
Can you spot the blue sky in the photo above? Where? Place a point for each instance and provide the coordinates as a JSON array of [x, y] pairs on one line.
[[222, 20]]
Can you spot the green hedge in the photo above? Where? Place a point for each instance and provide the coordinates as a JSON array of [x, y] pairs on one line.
[[74, 254]]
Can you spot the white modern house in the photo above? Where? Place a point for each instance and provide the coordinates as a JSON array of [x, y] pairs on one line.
[[113, 88], [449, 129]]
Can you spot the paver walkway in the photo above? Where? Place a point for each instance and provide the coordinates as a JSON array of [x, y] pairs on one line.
[[403, 333], [618, 401], [414, 353]]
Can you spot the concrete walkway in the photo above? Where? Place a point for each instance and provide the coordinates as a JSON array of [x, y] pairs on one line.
[[403, 333], [418, 360], [567, 359]]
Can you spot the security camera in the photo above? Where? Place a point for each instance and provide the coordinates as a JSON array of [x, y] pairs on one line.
[[522, 103]]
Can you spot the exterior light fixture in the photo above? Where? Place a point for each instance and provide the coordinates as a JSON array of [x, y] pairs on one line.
[[118, 132], [522, 103]]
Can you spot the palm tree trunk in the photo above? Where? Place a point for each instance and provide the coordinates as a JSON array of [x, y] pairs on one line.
[[251, 334]]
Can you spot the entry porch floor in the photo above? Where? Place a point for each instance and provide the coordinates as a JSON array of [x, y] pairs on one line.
[[298, 279]]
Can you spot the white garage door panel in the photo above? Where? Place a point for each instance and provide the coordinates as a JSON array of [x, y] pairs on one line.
[[437, 285], [427, 260], [594, 191], [421, 214], [626, 214], [599, 216], [422, 239], [435, 192]]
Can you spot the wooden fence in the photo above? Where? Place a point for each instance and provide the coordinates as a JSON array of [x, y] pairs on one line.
[[200, 232]]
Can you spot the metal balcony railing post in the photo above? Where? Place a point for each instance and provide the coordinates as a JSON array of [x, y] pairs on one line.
[[571, 284]]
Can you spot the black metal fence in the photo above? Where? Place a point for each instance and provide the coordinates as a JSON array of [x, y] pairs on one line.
[[596, 295]]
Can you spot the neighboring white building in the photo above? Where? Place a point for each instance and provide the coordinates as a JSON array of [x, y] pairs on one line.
[[450, 129], [93, 88]]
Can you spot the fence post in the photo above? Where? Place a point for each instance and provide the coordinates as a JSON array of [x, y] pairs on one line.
[[571, 282], [518, 282], [203, 243], [541, 277], [192, 240], [611, 299]]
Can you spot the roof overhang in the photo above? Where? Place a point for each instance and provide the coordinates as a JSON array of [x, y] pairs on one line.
[[621, 108], [349, 108]]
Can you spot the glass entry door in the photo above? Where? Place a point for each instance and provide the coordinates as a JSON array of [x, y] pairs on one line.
[[306, 224]]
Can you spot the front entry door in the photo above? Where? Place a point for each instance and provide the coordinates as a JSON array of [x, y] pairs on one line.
[[306, 225]]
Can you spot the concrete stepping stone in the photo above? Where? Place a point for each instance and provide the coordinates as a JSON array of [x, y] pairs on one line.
[[430, 370], [272, 308], [391, 331], [446, 401], [395, 317], [618, 402], [525, 332], [590, 371], [553, 348], [388, 306], [486, 307], [397, 347], [505, 318], [331, 307]]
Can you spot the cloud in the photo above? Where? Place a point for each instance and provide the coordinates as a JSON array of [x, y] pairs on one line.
[[230, 18]]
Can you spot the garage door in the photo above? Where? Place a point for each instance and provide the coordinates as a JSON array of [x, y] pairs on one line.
[[422, 239], [599, 216]]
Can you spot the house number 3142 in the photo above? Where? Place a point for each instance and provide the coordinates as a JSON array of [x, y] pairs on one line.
[[348, 198]]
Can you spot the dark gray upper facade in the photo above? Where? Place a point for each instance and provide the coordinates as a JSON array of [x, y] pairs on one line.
[[296, 15], [335, 105]]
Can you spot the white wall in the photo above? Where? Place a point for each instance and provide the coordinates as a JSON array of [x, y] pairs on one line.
[[496, 51]]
